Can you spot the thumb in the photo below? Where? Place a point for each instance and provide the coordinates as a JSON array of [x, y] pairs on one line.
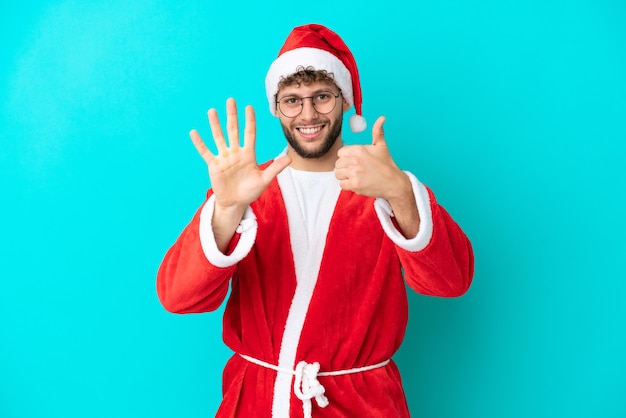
[[378, 135], [278, 165]]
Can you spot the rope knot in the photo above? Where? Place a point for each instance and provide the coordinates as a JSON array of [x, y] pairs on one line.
[[306, 386]]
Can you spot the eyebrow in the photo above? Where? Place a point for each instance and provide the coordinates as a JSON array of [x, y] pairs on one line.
[[328, 90]]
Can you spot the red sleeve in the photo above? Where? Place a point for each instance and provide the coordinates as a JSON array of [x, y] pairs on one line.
[[445, 267], [186, 281]]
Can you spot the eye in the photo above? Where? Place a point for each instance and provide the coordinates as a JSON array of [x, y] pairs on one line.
[[323, 97], [291, 101]]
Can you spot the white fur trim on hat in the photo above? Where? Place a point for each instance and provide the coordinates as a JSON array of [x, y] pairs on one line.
[[288, 62]]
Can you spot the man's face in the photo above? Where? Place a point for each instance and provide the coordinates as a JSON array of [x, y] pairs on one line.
[[312, 134]]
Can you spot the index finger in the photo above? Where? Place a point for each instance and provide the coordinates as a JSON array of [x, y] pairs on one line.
[[349, 150]]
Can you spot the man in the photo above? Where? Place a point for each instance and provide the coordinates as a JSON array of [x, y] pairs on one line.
[[314, 245]]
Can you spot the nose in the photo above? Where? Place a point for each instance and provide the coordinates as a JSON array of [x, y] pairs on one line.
[[308, 110]]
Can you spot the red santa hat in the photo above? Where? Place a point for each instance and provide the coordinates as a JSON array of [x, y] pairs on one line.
[[318, 47]]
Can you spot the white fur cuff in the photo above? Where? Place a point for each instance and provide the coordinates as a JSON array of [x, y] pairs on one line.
[[247, 228], [421, 240]]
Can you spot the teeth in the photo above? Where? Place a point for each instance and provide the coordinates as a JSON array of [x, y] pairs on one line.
[[310, 131]]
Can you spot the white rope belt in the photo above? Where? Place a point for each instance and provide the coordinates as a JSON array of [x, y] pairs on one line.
[[305, 385]]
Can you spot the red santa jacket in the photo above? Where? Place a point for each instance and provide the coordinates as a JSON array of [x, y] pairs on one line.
[[344, 309]]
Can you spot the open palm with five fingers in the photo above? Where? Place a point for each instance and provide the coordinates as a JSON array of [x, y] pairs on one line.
[[236, 178]]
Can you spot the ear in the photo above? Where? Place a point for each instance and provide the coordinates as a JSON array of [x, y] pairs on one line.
[[346, 105]]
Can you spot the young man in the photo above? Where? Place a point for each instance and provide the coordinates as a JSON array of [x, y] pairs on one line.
[[314, 245]]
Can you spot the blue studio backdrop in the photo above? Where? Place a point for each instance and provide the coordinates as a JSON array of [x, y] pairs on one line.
[[513, 112]]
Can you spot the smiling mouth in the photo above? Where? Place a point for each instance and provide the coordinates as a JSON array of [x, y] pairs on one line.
[[310, 130]]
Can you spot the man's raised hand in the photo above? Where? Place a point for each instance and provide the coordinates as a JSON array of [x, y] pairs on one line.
[[369, 170], [235, 176]]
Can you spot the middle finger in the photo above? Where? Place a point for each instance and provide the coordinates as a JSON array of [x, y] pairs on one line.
[[232, 124]]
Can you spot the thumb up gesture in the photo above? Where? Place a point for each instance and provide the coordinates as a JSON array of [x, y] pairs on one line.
[[369, 170]]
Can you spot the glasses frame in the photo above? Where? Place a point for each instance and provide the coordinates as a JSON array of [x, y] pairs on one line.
[[312, 103]]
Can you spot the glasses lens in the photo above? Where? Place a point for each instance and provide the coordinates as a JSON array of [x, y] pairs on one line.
[[324, 102], [290, 106]]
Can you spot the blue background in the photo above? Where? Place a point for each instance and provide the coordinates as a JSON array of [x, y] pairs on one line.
[[513, 112]]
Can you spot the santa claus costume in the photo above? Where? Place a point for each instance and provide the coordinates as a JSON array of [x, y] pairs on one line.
[[318, 302]]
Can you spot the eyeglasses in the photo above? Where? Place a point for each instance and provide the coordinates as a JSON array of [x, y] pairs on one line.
[[323, 102]]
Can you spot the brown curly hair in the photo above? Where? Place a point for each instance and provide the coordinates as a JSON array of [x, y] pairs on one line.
[[306, 76]]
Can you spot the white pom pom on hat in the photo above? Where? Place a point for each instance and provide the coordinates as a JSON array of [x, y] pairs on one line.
[[357, 123], [316, 46]]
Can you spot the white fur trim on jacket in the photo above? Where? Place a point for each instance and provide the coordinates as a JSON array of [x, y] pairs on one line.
[[421, 240], [247, 228], [307, 258]]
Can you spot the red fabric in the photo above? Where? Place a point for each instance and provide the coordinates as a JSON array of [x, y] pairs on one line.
[[357, 315]]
